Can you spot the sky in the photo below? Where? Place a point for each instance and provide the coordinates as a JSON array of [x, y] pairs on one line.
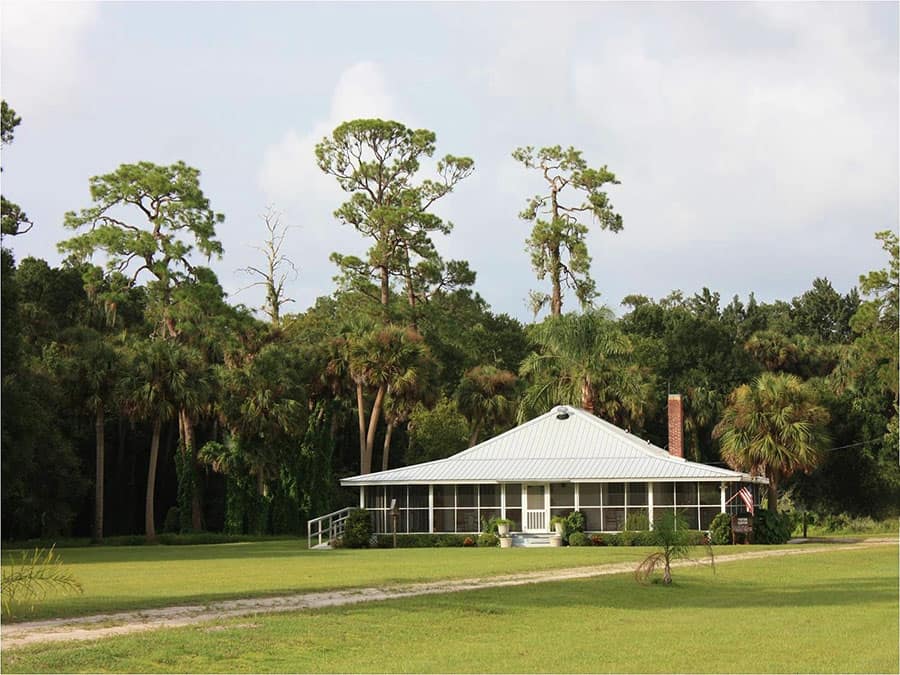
[[756, 143]]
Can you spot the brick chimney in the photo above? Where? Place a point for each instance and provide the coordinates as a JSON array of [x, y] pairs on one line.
[[676, 426]]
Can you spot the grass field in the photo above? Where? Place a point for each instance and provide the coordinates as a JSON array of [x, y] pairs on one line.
[[827, 612], [124, 577]]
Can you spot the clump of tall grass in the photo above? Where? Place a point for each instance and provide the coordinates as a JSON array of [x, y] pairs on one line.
[[30, 576]]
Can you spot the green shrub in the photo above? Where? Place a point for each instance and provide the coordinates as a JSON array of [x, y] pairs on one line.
[[357, 529], [579, 539], [771, 528], [720, 529], [637, 521], [575, 522], [488, 539]]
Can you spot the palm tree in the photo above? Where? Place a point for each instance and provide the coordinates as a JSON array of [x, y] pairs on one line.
[[674, 541], [485, 397], [378, 359], [93, 368], [773, 426], [701, 409], [574, 360], [155, 387]]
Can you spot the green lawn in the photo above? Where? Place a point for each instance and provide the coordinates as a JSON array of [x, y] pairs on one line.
[[827, 612], [125, 577]]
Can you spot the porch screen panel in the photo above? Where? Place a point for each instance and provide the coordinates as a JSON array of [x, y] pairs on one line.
[[686, 498], [445, 508], [562, 494], [614, 494], [467, 496], [514, 494], [417, 514], [663, 494], [593, 519], [614, 519], [589, 494], [467, 520], [707, 513], [489, 496], [710, 497], [444, 496], [514, 505], [444, 520]]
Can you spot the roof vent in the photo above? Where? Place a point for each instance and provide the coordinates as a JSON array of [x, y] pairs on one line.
[[562, 414]]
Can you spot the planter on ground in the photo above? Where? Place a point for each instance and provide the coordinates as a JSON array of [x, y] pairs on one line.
[[505, 542], [556, 540]]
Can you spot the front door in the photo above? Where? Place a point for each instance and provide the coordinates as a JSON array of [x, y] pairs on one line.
[[535, 509]]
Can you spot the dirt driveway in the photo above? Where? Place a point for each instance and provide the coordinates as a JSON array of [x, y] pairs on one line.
[[122, 623]]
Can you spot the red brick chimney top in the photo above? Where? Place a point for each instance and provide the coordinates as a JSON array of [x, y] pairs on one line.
[[676, 426]]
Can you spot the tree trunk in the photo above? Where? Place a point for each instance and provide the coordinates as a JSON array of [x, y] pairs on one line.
[[410, 291], [373, 426], [555, 267], [190, 448], [361, 415], [385, 290], [667, 573], [773, 494], [100, 431], [473, 439], [386, 451], [587, 395], [149, 526]]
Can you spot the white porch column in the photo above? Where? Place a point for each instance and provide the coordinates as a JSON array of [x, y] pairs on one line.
[[431, 509], [577, 496], [650, 503], [503, 500], [362, 496], [722, 489]]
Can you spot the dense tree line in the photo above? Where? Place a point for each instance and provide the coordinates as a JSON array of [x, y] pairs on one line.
[[136, 396]]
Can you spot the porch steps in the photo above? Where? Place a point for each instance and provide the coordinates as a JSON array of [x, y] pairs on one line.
[[531, 540]]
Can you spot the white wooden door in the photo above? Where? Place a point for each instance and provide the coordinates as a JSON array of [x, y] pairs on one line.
[[535, 519]]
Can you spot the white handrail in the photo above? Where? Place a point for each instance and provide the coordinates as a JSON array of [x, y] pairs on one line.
[[331, 525]]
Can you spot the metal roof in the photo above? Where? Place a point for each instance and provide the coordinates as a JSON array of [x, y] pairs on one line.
[[581, 448]]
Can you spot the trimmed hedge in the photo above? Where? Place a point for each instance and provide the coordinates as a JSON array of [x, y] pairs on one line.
[[638, 538], [421, 540]]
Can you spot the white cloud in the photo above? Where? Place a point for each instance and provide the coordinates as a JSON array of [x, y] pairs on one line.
[[289, 174], [749, 143], [43, 51]]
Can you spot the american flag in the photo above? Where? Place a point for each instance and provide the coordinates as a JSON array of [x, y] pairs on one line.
[[746, 496]]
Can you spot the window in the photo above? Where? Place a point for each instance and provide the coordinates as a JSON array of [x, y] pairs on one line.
[[562, 494]]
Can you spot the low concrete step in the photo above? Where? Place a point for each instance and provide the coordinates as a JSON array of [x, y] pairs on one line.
[[531, 540]]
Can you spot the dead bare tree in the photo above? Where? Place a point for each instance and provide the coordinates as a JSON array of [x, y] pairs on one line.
[[276, 272]]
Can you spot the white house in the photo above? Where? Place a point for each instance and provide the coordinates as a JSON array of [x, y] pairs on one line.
[[562, 461]]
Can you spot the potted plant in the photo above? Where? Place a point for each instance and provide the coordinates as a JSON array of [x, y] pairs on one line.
[[506, 542], [559, 524], [503, 525]]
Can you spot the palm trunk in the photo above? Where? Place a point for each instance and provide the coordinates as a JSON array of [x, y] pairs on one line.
[[151, 481], [587, 395], [386, 451], [100, 431], [667, 573], [773, 494], [191, 450], [473, 439], [373, 427], [361, 416]]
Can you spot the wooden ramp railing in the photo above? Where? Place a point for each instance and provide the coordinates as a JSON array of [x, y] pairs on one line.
[[326, 528]]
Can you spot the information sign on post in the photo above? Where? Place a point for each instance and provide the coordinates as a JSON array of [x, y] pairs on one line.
[[741, 524]]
